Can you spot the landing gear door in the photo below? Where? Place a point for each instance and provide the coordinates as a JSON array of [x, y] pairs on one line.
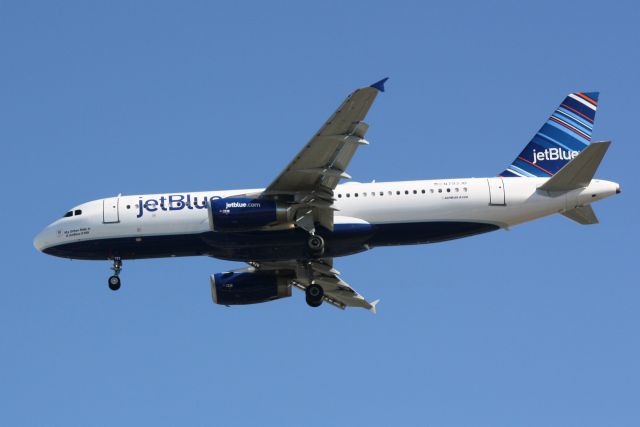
[[110, 210], [496, 191]]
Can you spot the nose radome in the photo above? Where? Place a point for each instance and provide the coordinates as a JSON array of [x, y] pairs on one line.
[[39, 241]]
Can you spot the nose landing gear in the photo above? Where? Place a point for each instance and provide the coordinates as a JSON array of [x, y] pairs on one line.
[[114, 281]]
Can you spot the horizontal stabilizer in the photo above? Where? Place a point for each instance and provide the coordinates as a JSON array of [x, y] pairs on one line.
[[579, 171], [582, 215]]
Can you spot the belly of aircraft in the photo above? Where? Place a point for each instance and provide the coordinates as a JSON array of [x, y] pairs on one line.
[[346, 239]]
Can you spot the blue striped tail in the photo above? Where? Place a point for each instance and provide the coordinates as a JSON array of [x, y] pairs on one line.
[[566, 133]]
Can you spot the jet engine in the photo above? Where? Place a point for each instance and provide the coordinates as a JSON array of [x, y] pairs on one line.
[[250, 287], [244, 213]]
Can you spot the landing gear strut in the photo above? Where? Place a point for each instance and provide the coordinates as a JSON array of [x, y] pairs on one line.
[[316, 243], [314, 294], [114, 281]]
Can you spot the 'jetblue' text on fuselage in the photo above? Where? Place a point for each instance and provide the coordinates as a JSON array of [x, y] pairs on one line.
[[173, 202]]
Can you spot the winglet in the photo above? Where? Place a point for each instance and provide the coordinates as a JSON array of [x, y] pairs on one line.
[[380, 84], [372, 309]]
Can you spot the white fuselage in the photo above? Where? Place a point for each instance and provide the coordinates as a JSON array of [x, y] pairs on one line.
[[496, 201]]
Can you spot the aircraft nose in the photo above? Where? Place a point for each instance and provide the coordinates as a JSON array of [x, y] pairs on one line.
[[38, 241], [41, 240]]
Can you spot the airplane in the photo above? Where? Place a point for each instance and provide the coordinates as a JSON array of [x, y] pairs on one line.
[[290, 232]]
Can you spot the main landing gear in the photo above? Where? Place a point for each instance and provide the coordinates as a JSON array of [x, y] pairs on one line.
[[314, 294], [316, 244], [114, 281]]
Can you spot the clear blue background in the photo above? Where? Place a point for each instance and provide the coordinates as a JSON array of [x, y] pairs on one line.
[[536, 326]]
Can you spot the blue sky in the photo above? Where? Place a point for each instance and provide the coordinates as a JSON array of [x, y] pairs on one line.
[[535, 326]]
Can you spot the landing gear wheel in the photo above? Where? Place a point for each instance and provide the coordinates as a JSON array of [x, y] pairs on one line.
[[313, 304], [114, 283], [316, 243], [314, 294]]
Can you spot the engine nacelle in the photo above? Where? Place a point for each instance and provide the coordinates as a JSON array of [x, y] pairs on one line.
[[244, 213], [249, 287]]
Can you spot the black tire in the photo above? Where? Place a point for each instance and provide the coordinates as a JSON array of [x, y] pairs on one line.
[[314, 304], [314, 294], [316, 243], [114, 283]]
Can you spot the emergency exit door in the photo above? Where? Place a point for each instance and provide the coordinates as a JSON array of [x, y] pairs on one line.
[[110, 210], [496, 191]]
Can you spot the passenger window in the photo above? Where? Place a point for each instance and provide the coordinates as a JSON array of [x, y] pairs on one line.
[[406, 191], [348, 195], [382, 193], [78, 212], [68, 214], [423, 191], [398, 192], [391, 193], [415, 191], [457, 189], [431, 191], [373, 194], [339, 196], [356, 194], [465, 189], [439, 190], [364, 194], [448, 190]]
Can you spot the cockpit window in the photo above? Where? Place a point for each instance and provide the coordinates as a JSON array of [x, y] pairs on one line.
[[68, 214], [78, 212]]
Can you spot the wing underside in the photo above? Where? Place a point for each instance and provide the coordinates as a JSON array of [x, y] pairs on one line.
[[309, 179], [324, 159], [321, 272], [306, 187]]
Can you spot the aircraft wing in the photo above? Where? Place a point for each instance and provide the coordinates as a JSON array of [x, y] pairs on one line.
[[313, 174], [336, 291]]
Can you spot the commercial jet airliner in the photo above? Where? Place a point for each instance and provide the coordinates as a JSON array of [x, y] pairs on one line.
[[290, 232]]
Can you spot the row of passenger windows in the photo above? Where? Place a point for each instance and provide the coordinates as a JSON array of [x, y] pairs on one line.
[[398, 192], [364, 194], [73, 213]]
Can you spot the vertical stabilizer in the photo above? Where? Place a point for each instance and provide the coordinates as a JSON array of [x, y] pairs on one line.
[[566, 133]]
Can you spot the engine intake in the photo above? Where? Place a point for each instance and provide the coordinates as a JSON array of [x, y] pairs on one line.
[[249, 287], [243, 213]]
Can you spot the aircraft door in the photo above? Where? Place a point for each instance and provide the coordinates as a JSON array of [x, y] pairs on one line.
[[110, 210], [496, 191]]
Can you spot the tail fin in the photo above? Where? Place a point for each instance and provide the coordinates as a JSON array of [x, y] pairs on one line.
[[561, 138]]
